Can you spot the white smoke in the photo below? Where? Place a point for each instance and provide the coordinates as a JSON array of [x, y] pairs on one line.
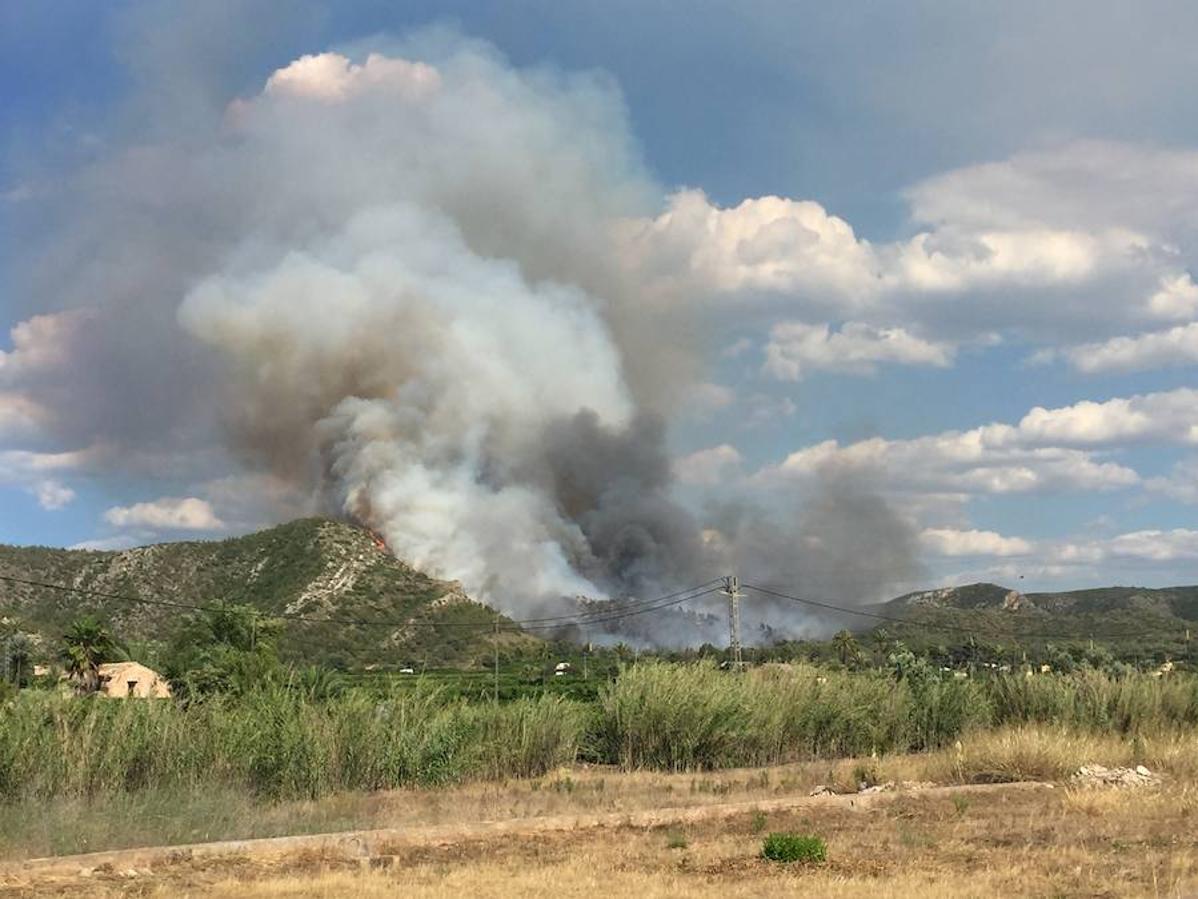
[[413, 372], [406, 294], [407, 323]]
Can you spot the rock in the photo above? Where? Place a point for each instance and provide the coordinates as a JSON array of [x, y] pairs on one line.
[[877, 788], [1100, 775], [822, 790]]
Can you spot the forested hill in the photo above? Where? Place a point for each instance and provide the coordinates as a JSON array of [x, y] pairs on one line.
[[312, 568], [1170, 602], [1159, 622]]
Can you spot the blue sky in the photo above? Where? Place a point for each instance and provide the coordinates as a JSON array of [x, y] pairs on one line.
[[944, 251]]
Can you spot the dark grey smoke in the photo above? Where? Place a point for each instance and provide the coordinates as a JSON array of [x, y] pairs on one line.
[[843, 545], [615, 484]]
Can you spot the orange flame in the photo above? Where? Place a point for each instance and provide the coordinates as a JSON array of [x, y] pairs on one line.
[[377, 539]]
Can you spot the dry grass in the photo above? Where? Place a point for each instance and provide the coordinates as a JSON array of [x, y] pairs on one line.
[[1060, 842], [60, 827], [1021, 842], [1047, 753]]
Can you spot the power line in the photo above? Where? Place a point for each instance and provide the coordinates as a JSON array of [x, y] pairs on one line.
[[614, 610], [945, 627], [626, 609]]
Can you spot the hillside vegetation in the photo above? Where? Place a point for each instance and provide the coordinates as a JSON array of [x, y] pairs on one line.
[[1136, 623], [312, 568]]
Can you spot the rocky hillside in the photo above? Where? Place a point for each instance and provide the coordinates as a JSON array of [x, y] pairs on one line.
[[1168, 602], [1134, 621], [312, 568]]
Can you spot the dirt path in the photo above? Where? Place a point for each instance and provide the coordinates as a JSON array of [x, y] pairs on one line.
[[377, 848]]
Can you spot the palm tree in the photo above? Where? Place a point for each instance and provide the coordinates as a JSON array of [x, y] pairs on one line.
[[87, 644], [846, 647], [881, 640], [19, 651]]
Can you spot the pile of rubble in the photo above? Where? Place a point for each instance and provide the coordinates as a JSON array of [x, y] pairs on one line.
[[1102, 776], [863, 787]]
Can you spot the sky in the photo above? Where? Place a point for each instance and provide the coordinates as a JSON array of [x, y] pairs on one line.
[[944, 253]]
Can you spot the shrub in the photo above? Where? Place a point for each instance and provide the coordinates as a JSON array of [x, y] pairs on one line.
[[757, 822], [793, 847], [676, 839]]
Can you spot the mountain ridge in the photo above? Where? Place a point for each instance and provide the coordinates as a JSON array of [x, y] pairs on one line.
[[314, 568]]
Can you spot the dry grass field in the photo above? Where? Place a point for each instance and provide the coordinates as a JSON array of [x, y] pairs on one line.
[[1063, 840]]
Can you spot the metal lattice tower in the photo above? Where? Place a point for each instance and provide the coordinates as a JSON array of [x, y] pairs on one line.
[[732, 591]]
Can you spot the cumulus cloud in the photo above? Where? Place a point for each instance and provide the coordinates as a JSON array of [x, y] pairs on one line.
[[20, 417], [52, 495], [1181, 484], [1177, 297], [331, 77], [168, 513], [1079, 241], [767, 243], [1166, 417], [1179, 544], [952, 542], [708, 467], [40, 344], [1157, 349], [856, 348], [1049, 449]]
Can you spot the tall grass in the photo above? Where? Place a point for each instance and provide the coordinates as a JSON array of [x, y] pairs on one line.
[[1092, 700], [680, 717], [275, 742], [280, 742]]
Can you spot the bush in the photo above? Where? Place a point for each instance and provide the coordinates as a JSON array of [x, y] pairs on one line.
[[793, 847]]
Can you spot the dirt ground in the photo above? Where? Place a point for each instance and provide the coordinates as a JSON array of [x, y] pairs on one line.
[[1015, 840]]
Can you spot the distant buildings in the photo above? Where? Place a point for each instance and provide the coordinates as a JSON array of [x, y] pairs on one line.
[[121, 680]]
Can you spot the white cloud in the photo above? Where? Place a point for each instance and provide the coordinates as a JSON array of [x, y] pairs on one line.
[[952, 542], [1050, 449], [766, 243], [1157, 349], [1177, 298], [1079, 243], [856, 348], [19, 416], [106, 544], [1155, 546], [1180, 485], [1166, 417], [52, 494], [188, 513], [40, 344], [708, 467], [1180, 544], [20, 465], [331, 77], [706, 399], [38, 473]]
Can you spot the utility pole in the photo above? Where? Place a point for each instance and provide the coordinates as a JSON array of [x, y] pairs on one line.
[[495, 643], [732, 591]]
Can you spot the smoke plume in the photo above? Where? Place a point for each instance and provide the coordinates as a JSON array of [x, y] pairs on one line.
[[393, 283]]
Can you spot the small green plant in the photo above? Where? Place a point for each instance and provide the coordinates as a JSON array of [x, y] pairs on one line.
[[757, 822], [793, 847], [676, 839], [961, 804]]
